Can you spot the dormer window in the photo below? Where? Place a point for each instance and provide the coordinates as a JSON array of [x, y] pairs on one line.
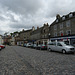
[[57, 20], [70, 15], [63, 18]]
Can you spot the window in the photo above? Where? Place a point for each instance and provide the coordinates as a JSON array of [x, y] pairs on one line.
[[42, 36], [55, 34], [66, 42], [68, 32], [44, 30], [61, 25], [68, 23], [61, 33], [58, 44], [63, 18], [57, 20], [55, 27], [70, 15], [52, 43]]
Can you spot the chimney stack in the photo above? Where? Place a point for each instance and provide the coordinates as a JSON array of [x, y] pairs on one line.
[[57, 16], [37, 27], [33, 28]]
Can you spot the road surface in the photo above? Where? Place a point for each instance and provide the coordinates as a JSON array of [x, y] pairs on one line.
[[17, 60]]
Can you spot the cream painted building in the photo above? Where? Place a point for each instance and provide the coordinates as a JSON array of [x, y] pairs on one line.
[[1, 40]]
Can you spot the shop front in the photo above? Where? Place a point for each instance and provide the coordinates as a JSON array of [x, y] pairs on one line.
[[66, 39]]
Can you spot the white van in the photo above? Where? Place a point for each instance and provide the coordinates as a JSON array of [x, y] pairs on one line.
[[60, 46]]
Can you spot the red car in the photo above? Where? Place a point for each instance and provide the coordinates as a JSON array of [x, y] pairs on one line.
[[42, 47], [2, 46]]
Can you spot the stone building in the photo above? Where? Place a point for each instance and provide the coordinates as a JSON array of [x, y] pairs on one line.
[[36, 35], [40, 35], [23, 37], [45, 33], [7, 40], [14, 38], [63, 28]]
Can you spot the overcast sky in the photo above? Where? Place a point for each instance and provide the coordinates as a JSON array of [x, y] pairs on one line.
[[16, 15]]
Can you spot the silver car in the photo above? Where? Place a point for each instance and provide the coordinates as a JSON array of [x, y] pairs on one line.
[[60, 46]]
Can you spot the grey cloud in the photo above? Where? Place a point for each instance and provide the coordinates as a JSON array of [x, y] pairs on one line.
[[60, 7], [27, 13], [19, 26], [2, 18], [22, 6], [1, 32]]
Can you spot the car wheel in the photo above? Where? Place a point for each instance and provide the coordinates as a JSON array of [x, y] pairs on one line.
[[49, 50], [64, 51]]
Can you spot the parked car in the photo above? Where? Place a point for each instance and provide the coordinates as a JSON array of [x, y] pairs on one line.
[[34, 46], [24, 45], [28, 45], [2, 46], [42, 47], [31, 46], [60, 46], [38, 47]]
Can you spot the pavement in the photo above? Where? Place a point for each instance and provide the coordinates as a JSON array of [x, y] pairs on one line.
[[17, 60]]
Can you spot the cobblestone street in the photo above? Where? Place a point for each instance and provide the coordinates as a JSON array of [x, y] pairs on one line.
[[16, 60]]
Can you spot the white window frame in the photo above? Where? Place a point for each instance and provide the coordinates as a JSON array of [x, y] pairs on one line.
[[61, 26], [68, 23], [55, 34]]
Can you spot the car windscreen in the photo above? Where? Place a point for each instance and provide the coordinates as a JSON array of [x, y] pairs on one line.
[[63, 43]]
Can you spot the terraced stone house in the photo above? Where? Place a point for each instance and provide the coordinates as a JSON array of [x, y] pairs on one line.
[[40, 35], [63, 28], [23, 37]]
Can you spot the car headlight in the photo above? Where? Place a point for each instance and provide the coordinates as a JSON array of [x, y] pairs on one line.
[[71, 48]]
